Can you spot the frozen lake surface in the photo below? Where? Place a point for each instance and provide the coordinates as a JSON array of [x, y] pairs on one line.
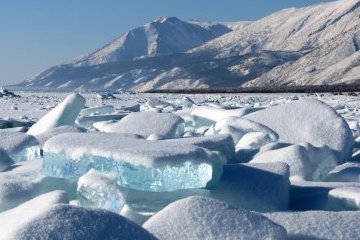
[[148, 166]]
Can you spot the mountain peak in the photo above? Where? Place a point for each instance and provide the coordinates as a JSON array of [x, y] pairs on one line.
[[164, 19]]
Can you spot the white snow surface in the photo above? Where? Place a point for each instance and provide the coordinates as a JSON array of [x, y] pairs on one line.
[[206, 218], [318, 224], [64, 221], [166, 125], [308, 121], [15, 220]]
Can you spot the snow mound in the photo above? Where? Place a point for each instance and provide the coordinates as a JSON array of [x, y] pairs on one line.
[[260, 187], [206, 218], [216, 114], [222, 143], [24, 181], [347, 172], [152, 166], [167, 125], [14, 220], [19, 146], [308, 121], [306, 161], [319, 224], [42, 138], [63, 221], [346, 198], [238, 127], [63, 114]]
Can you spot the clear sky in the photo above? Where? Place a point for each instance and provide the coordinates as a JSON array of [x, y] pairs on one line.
[[37, 34]]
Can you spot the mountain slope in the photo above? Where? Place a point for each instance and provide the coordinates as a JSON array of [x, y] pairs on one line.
[[165, 35], [314, 45]]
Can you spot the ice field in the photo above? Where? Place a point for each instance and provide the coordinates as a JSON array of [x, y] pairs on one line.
[[179, 166]]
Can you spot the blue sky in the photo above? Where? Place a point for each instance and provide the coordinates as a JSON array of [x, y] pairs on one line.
[[37, 34]]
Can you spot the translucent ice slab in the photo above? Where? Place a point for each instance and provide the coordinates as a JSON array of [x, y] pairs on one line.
[[138, 164]]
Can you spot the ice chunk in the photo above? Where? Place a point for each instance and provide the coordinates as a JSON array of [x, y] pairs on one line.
[[309, 121], [346, 198], [100, 191], [63, 221], [131, 108], [206, 218], [42, 138], [319, 224], [260, 187], [306, 162], [347, 172], [88, 121], [139, 164], [24, 181], [5, 160], [20, 146], [222, 143], [238, 127], [63, 114], [155, 103], [253, 140], [216, 114], [100, 110], [15, 219], [144, 124]]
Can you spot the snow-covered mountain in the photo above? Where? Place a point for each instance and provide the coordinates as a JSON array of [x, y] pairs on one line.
[[165, 35], [314, 45]]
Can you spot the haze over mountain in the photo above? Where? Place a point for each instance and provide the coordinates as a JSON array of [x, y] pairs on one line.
[[314, 45]]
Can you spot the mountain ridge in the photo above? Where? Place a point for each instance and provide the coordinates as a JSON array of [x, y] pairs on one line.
[[313, 45]]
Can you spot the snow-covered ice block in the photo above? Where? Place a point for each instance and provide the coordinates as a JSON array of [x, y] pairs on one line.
[[347, 172], [253, 140], [19, 146], [88, 121], [238, 127], [216, 114], [25, 181], [63, 221], [135, 107], [139, 164], [5, 160], [222, 143], [63, 114], [346, 198], [308, 121], [100, 191], [14, 220], [100, 110], [155, 103], [42, 138], [318, 225], [260, 187], [306, 162], [206, 218], [144, 124]]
